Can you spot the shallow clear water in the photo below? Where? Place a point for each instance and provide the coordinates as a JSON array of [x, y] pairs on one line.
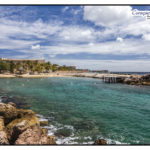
[[87, 109]]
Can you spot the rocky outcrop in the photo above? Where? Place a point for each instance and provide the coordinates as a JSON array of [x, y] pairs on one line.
[[2, 127], [3, 134], [34, 135], [100, 142], [44, 123], [8, 111], [137, 80], [3, 138], [19, 126]]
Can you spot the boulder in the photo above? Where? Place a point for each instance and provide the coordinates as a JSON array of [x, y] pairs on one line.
[[18, 129], [146, 77], [22, 112], [13, 104], [100, 142], [44, 123], [3, 138], [8, 111], [15, 127], [34, 136], [51, 140]]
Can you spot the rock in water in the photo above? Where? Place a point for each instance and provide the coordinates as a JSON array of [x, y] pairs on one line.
[[100, 142], [34, 136], [8, 111], [44, 123]]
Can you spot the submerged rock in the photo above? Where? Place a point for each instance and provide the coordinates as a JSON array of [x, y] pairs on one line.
[[65, 132], [100, 142], [19, 101]]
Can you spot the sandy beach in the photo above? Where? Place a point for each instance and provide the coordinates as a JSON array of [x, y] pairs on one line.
[[45, 75], [7, 76]]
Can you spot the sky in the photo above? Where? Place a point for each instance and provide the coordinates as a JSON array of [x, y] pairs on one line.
[[89, 37]]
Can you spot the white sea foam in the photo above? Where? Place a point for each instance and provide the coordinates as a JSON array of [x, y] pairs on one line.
[[52, 129], [41, 118], [72, 139], [110, 141]]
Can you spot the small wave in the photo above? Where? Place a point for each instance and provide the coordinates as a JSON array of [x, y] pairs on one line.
[[72, 139], [110, 141]]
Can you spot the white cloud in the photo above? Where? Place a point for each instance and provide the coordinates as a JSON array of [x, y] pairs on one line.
[[108, 15], [117, 20], [119, 39], [66, 39], [35, 46], [146, 37], [77, 33]]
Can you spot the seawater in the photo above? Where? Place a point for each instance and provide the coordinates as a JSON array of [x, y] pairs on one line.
[[82, 110]]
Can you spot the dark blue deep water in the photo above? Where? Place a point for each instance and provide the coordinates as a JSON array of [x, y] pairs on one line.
[[85, 109]]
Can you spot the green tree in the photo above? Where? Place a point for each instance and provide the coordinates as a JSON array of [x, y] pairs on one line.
[[12, 67], [4, 66]]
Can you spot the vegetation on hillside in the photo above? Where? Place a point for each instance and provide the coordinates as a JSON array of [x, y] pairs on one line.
[[31, 67]]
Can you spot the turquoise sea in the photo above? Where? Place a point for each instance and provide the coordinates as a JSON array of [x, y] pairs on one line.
[[81, 110]]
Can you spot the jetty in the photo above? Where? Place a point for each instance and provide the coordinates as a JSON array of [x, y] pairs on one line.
[[106, 77], [113, 79]]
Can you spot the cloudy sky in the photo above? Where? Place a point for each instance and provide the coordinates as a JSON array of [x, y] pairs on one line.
[[93, 37]]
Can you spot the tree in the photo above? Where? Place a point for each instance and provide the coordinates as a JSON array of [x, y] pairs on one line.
[[55, 67], [12, 67], [4, 66]]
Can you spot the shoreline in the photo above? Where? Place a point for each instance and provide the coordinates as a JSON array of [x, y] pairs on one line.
[[25, 127], [46, 75], [132, 79]]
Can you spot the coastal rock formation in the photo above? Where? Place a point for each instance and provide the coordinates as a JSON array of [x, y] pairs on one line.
[[8, 111], [3, 138], [19, 126], [2, 127], [138, 80], [34, 135], [27, 120], [100, 142], [3, 134], [44, 123]]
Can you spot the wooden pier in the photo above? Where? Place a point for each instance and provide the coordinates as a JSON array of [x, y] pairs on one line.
[[113, 79]]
